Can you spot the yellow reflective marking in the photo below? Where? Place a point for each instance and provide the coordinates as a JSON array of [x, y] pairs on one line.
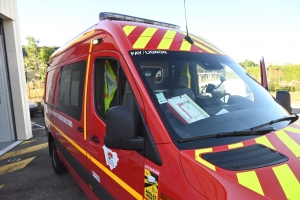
[[24, 151], [297, 122], [128, 29], [207, 44], [204, 42], [103, 168], [264, 141], [289, 142], [1, 186], [185, 45], [129, 189], [85, 35], [201, 160], [203, 47], [15, 166], [85, 90], [251, 181], [291, 129], [67, 138], [167, 40], [145, 37], [28, 141], [88, 155], [288, 181], [232, 146]]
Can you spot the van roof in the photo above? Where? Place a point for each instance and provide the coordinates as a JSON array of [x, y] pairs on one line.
[[144, 34], [152, 37]]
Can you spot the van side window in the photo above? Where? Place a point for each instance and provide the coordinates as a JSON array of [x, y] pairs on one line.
[[71, 89], [109, 85]]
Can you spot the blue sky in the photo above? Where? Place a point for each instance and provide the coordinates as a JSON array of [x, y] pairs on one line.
[[244, 29]]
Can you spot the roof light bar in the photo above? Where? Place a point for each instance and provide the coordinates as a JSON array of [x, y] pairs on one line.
[[121, 17]]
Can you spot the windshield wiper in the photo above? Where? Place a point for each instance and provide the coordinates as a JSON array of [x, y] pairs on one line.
[[257, 130], [246, 132], [291, 118]]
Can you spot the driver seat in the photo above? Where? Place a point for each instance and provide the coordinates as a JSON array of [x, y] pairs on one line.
[[183, 88]]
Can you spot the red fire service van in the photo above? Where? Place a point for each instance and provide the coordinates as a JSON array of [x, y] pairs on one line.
[[138, 109]]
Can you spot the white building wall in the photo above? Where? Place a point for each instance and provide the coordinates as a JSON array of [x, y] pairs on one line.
[[8, 8], [9, 15]]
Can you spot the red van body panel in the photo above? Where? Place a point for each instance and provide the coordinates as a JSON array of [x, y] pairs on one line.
[[124, 174]]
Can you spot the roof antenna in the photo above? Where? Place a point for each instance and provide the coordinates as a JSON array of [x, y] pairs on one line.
[[187, 37]]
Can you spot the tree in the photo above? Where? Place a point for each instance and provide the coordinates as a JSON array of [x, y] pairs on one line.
[[247, 63], [37, 58]]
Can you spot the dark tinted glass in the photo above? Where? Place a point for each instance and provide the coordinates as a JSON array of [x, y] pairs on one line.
[[71, 89], [200, 94]]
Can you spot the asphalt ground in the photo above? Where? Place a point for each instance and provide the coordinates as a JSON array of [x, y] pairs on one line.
[[26, 171]]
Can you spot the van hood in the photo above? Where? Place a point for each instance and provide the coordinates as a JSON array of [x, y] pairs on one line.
[[266, 167]]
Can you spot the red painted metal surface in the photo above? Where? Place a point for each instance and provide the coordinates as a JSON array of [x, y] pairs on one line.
[[181, 176]]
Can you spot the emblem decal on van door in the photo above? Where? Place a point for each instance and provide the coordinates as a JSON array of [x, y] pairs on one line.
[[110, 157]]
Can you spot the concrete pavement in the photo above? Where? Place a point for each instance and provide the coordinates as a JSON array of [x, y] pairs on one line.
[[26, 171]]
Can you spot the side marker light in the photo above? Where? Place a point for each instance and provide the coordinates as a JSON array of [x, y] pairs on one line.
[[97, 41]]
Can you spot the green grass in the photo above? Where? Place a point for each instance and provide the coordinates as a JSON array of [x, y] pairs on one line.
[[35, 95]]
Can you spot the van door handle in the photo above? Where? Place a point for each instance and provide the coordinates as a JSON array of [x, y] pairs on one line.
[[80, 129], [95, 139]]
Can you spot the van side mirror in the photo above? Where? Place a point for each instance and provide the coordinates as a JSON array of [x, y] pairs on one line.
[[284, 99], [120, 132]]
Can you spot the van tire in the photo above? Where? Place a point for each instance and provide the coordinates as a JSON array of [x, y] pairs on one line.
[[58, 166]]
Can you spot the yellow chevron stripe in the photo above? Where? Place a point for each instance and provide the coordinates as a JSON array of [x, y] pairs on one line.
[[206, 43], [209, 45], [128, 29], [291, 129], [288, 181], [297, 122], [289, 142], [145, 37], [201, 160], [167, 40], [251, 181], [264, 141], [233, 146], [185, 45], [203, 47]]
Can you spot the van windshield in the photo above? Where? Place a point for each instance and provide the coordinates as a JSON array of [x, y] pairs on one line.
[[200, 94]]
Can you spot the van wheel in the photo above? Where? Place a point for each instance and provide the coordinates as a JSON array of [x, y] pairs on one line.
[[58, 166]]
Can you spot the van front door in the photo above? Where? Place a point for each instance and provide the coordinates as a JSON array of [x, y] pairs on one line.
[[113, 173]]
